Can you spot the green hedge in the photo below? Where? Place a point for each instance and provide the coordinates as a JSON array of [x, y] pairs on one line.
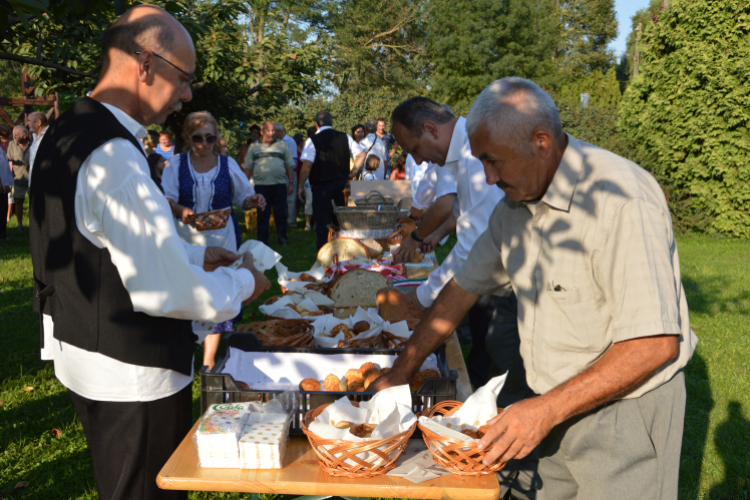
[[687, 113]]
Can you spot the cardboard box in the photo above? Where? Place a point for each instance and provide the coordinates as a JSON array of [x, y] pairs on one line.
[[398, 190]]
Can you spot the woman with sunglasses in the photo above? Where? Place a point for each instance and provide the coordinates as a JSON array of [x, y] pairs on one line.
[[202, 180]]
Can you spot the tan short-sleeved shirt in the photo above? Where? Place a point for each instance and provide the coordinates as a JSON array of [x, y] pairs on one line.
[[594, 262]]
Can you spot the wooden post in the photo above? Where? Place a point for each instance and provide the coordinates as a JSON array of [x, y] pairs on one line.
[[637, 56], [57, 106]]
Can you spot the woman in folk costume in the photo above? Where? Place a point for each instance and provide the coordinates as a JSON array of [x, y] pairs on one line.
[[202, 180]]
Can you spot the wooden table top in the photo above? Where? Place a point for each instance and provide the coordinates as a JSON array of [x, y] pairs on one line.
[[302, 475]]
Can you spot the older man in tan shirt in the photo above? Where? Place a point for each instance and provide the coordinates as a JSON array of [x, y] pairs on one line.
[[585, 239]]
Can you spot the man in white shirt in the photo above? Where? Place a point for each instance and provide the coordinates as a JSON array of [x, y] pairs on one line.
[[430, 132], [37, 126], [116, 286], [372, 145], [291, 200]]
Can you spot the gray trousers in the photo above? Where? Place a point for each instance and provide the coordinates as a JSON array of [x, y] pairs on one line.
[[625, 450]]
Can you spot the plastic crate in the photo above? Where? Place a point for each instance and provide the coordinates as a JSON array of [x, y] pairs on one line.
[[219, 388]]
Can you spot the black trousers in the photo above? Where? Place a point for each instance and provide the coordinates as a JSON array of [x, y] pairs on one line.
[[131, 441], [323, 193], [3, 214], [275, 196]]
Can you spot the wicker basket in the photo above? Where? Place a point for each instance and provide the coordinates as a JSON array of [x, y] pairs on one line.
[[205, 221], [384, 452], [369, 217], [459, 457]]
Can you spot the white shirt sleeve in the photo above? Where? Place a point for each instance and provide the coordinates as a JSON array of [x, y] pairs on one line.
[[354, 148], [170, 180], [119, 208], [241, 186], [308, 152], [445, 184]]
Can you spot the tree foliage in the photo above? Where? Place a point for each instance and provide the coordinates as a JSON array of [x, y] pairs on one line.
[[587, 28], [603, 90], [688, 111], [474, 42]]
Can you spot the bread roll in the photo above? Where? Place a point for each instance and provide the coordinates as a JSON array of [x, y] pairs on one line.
[[361, 327], [367, 366], [353, 376], [345, 248], [309, 384], [331, 383], [242, 385], [370, 377], [429, 373]]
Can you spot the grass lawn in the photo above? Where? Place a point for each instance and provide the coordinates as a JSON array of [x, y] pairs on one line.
[[716, 444]]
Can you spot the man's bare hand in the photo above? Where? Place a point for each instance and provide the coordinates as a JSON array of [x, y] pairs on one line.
[[289, 188], [518, 430], [261, 282], [184, 214], [405, 252], [258, 201], [391, 379], [429, 243], [218, 257]]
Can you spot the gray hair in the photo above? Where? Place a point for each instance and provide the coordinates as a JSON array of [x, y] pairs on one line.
[[38, 115], [512, 109], [414, 112], [371, 126], [21, 128]]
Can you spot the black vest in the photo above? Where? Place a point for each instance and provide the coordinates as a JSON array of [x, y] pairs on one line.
[[331, 157], [74, 281]]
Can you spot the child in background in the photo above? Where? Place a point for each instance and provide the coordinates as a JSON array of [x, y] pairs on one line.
[[372, 163]]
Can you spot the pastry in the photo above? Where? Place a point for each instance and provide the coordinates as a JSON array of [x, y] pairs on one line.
[[307, 277], [331, 383], [394, 306], [362, 430], [242, 385], [353, 376], [343, 385], [361, 327], [385, 370], [416, 382], [309, 384], [371, 376], [429, 373], [367, 366], [343, 425], [339, 329], [471, 433], [356, 387]]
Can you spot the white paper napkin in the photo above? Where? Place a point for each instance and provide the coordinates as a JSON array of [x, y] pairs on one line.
[[323, 326], [264, 257], [279, 310], [416, 464], [285, 277]]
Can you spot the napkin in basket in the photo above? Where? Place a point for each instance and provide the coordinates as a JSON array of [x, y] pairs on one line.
[[475, 412], [279, 308], [264, 257], [323, 326], [286, 277]]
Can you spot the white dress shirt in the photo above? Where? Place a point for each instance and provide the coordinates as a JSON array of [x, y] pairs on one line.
[[292, 149], [203, 192], [34, 147], [475, 202], [308, 151], [118, 207], [372, 145], [414, 173], [436, 182]]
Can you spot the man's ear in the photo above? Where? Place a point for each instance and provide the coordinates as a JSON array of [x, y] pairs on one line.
[[432, 129], [543, 142], [146, 67]]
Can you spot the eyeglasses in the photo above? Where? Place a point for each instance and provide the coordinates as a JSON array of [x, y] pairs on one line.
[[190, 76], [198, 139]]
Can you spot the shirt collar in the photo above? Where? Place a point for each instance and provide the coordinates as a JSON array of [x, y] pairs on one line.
[[560, 192], [457, 141], [324, 127], [127, 121]]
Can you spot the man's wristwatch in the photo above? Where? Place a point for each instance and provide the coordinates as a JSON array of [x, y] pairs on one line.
[[414, 236]]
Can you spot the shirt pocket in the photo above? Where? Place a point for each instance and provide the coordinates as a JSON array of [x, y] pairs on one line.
[[574, 322]]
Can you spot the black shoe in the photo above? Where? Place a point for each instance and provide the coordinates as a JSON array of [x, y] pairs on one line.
[[283, 241]]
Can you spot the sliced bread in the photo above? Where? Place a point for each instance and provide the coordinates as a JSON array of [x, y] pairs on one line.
[[394, 306], [345, 248], [374, 249], [358, 288]]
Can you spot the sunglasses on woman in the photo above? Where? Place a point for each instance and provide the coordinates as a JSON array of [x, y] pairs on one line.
[[198, 139]]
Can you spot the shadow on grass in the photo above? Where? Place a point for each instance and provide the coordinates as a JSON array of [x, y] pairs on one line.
[[732, 438], [697, 410], [72, 473], [708, 295]]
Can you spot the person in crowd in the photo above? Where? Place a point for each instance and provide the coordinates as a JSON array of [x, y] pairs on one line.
[[372, 163], [399, 168], [325, 161], [37, 122], [358, 133], [6, 185], [120, 333], [372, 145], [19, 156], [415, 172], [271, 166], [150, 145], [605, 352], [165, 147], [291, 200], [156, 168], [388, 141], [201, 180], [255, 132], [300, 140], [6, 135], [311, 131]]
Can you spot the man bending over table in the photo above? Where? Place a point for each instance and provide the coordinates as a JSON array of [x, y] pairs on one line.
[[585, 239]]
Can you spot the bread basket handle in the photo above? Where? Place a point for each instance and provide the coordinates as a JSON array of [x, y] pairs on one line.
[[374, 195]]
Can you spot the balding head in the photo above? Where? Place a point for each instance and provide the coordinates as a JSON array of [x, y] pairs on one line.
[[20, 134], [147, 63], [37, 122], [267, 132]]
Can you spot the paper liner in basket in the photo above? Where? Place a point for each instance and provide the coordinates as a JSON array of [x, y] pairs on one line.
[[286, 277], [323, 326], [395, 335], [389, 410], [370, 338], [279, 308], [475, 412]]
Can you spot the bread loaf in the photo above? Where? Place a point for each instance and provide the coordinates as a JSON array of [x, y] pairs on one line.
[[374, 249], [394, 306], [358, 288], [345, 248]]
